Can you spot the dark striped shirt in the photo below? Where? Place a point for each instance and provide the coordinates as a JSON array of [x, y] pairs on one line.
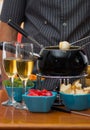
[[51, 21]]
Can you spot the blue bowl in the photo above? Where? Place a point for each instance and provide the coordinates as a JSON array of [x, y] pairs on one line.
[[39, 103], [17, 92], [89, 100], [75, 101]]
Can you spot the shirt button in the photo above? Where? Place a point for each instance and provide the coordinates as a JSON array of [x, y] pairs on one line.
[[64, 24], [45, 22]]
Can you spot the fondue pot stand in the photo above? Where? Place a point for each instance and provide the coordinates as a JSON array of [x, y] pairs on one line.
[[56, 62]]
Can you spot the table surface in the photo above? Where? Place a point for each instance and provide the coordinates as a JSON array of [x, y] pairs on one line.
[[11, 118]]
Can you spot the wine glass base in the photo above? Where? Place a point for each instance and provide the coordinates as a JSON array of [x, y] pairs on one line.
[[21, 106], [7, 103]]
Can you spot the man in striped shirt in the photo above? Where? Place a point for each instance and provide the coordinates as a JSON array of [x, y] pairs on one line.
[[47, 21]]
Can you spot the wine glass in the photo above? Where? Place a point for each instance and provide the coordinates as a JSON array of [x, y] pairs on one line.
[[9, 64], [24, 65]]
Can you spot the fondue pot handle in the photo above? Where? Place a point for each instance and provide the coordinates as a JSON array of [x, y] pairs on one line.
[[36, 56]]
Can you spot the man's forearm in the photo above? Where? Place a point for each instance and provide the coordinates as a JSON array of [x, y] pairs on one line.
[[7, 33]]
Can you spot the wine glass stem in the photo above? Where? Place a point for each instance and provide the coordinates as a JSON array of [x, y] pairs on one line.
[[12, 96], [24, 85], [23, 103]]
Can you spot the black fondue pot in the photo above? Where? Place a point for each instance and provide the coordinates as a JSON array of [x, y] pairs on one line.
[[56, 62], [53, 61]]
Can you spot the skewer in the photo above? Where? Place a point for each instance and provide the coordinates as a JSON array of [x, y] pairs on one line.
[[69, 111], [64, 45], [20, 30], [80, 40]]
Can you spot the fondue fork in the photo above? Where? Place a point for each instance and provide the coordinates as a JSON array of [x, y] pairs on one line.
[[80, 40], [20, 30], [69, 111]]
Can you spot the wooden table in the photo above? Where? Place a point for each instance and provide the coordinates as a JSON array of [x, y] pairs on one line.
[[11, 118]]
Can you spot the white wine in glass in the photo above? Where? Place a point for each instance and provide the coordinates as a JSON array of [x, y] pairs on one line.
[[9, 64], [25, 64]]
